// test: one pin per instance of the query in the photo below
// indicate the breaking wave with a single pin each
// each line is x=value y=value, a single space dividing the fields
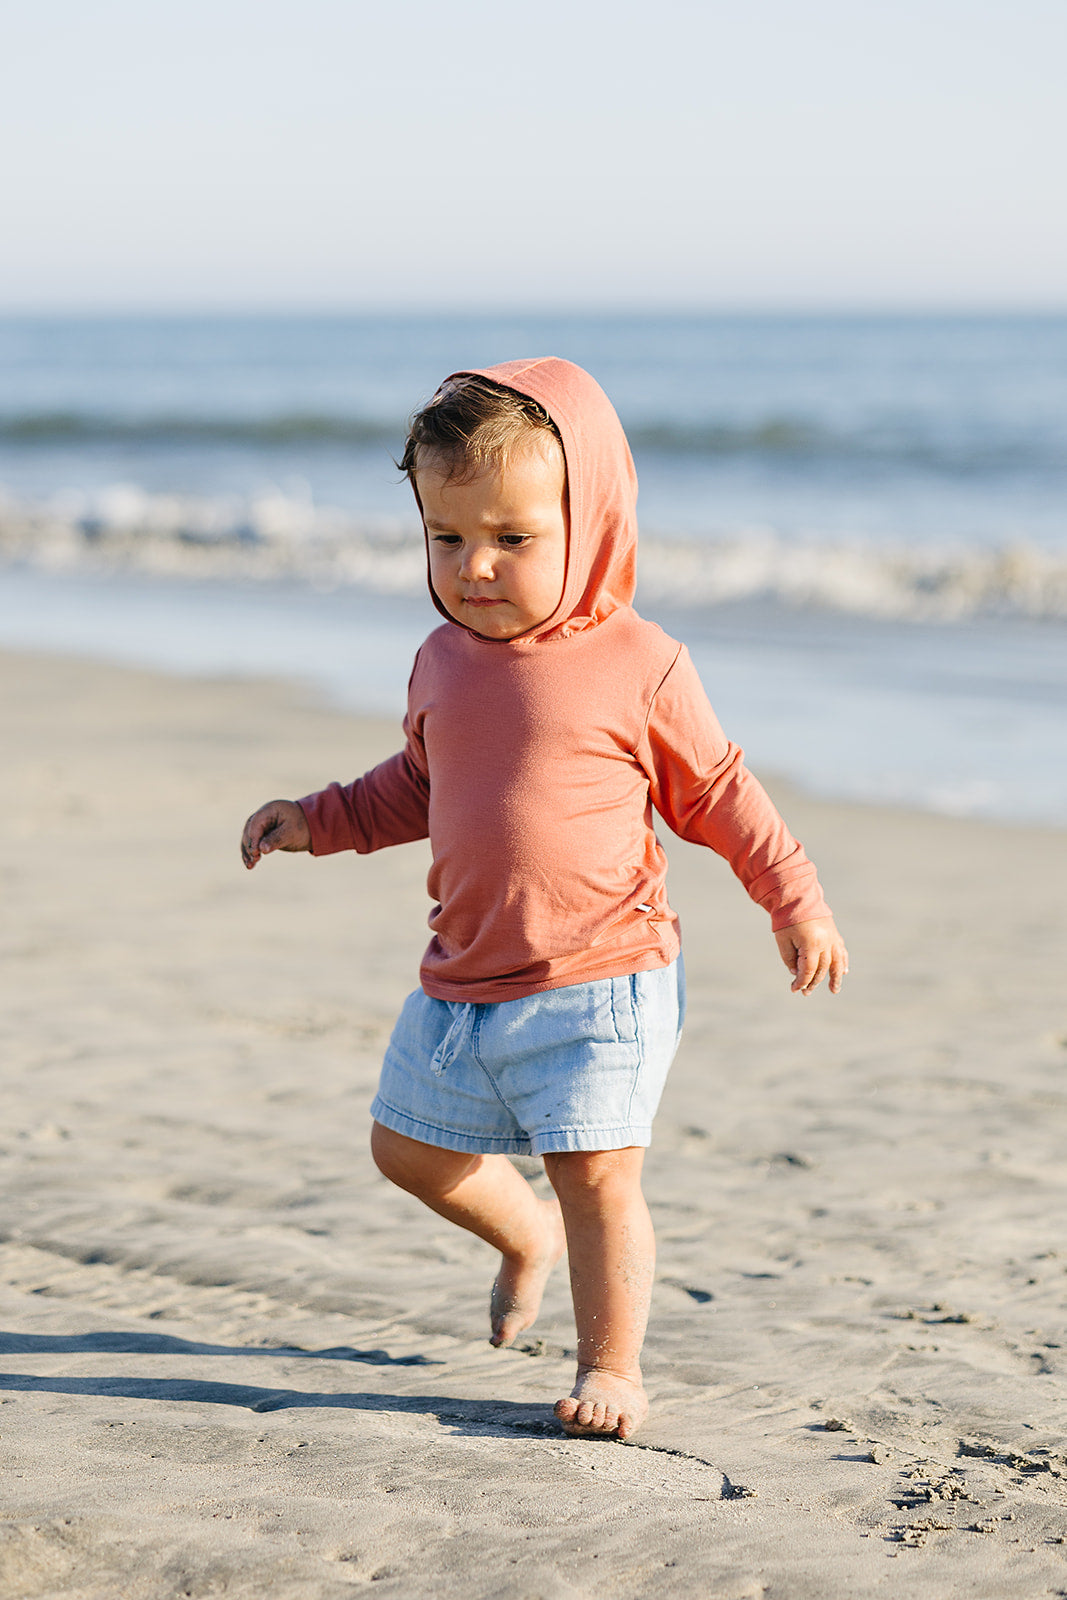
x=91 y=427
x=912 y=442
x=274 y=536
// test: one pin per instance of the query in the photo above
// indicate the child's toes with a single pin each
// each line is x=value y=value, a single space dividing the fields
x=506 y=1328
x=603 y=1405
x=586 y=1416
x=605 y=1419
x=574 y=1415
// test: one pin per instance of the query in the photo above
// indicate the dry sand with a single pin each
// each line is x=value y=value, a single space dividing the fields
x=235 y=1362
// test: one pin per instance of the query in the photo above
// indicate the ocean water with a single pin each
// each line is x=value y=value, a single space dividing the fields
x=858 y=523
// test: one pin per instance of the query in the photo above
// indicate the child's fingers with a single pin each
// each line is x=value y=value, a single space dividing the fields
x=813 y=951
x=250 y=838
x=812 y=967
x=280 y=837
x=256 y=837
x=279 y=825
x=838 y=968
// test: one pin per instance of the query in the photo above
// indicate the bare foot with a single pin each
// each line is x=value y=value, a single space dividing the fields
x=603 y=1404
x=520 y=1283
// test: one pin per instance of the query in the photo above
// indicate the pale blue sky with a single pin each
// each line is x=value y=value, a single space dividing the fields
x=329 y=153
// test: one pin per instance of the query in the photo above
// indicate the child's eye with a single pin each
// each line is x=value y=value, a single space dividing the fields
x=513 y=541
x=449 y=540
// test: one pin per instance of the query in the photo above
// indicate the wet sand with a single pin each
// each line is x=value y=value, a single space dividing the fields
x=235 y=1361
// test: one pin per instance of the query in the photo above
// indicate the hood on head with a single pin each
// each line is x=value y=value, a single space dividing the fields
x=601 y=492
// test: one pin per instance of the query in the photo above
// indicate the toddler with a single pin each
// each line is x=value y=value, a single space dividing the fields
x=546 y=721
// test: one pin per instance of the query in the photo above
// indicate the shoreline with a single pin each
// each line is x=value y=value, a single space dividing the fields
x=318 y=699
x=236 y=1356
x=958 y=721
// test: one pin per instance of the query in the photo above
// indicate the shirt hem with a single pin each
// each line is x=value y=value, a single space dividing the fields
x=491 y=991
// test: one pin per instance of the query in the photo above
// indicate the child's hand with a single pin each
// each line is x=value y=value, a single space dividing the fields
x=279 y=825
x=811 y=950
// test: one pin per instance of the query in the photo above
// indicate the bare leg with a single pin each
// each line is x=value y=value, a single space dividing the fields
x=488 y=1197
x=612 y=1258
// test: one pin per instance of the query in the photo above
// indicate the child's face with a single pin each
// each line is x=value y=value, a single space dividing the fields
x=498 y=544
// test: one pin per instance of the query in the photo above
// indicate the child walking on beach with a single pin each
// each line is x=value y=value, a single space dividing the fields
x=546 y=721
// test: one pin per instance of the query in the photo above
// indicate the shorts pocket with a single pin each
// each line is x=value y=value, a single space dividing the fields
x=601 y=1011
x=624 y=1008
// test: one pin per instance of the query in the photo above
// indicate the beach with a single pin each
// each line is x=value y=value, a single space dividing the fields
x=236 y=1361
x=855 y=522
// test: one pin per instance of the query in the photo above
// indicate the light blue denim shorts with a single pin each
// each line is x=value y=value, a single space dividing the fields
x=577 y=1068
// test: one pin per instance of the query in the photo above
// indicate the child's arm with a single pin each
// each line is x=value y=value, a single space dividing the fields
x=700 y=786
x=279 y=825
x=388 y=805
x=812 y=951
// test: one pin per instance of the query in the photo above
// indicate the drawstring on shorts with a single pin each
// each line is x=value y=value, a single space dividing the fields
x=456 y=1038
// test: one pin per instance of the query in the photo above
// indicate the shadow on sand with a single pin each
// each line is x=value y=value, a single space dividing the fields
x=473 y=1417
x=151 y=1344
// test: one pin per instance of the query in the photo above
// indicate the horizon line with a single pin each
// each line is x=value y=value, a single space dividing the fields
x=576 y=308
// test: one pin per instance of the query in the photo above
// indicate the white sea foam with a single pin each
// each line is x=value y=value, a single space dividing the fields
x=273 y=535
x=859 y=577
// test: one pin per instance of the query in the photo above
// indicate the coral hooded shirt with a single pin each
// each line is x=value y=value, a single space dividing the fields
x=534 y=765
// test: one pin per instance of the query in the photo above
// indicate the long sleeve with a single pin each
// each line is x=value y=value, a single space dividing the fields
x=699 y=784
x=388 y=805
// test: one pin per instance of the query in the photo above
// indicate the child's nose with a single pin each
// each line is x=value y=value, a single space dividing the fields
x=478 y=563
